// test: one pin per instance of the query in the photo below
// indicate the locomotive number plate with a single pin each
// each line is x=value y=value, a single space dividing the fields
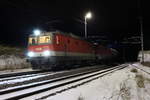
x=38 y=49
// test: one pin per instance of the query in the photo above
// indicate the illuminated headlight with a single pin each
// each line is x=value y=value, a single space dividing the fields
x=30 y=54
x=37 y=32
x=46 y=53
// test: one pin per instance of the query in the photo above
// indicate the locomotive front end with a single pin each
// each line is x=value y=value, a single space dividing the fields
x=40 y=49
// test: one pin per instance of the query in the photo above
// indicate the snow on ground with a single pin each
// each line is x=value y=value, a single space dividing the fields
x=120 y=85
x=12 y=62
x=145 y=68
x=146 y=56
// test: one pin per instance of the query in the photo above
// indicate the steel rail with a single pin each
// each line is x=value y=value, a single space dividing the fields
x=74 y=86
x=51 y=81
x=47 y=77
x=20 y=74
x=23 y=76
x=5 y=91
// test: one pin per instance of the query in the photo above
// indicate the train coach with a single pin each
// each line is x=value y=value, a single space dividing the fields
x=54 y=50
x=105 y=55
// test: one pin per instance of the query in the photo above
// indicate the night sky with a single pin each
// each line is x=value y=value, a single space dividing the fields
x=114 y=20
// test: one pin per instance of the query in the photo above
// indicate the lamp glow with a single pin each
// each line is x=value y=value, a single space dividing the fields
x=30 y=54
x=37 y=32
x=88 y=15
x=46 y=53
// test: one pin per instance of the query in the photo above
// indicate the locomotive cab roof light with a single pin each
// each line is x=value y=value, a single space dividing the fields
x=37 y=32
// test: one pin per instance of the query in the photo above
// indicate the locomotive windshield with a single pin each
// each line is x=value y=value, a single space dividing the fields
x=34 y=40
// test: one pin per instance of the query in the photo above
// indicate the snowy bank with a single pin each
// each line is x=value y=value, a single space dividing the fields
x=12 y=62
x=126 y=84
x=146 y=56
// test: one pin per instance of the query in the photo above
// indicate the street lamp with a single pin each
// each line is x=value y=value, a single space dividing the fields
x=142 y=41
x=87 y=16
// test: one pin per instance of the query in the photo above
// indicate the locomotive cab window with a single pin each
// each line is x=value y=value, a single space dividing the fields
x=40 y=40
x=32 y=41
x=44 y=39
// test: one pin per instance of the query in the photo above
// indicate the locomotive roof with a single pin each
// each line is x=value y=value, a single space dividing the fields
x=71 y=35
x=67 y=34
x=60 y=32
x=64 y=33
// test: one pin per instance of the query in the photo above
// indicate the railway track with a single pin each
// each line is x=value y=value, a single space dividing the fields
x=19 y=74
x=32 y=78
x=47 y=88
x=23 y=76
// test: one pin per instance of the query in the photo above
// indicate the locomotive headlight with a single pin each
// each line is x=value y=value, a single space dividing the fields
x=30 y=54
x=37 y=32
x=46 y=53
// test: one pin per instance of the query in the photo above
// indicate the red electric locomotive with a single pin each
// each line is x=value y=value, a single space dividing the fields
x=49 y=50
x=52 y=50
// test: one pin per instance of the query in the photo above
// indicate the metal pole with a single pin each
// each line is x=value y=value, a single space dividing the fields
x=141 y=28
x=85 y=28
x=124 y=58
x=142 y=44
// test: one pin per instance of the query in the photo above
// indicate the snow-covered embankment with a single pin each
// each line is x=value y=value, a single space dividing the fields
x=11 y=62
x=129 y=83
